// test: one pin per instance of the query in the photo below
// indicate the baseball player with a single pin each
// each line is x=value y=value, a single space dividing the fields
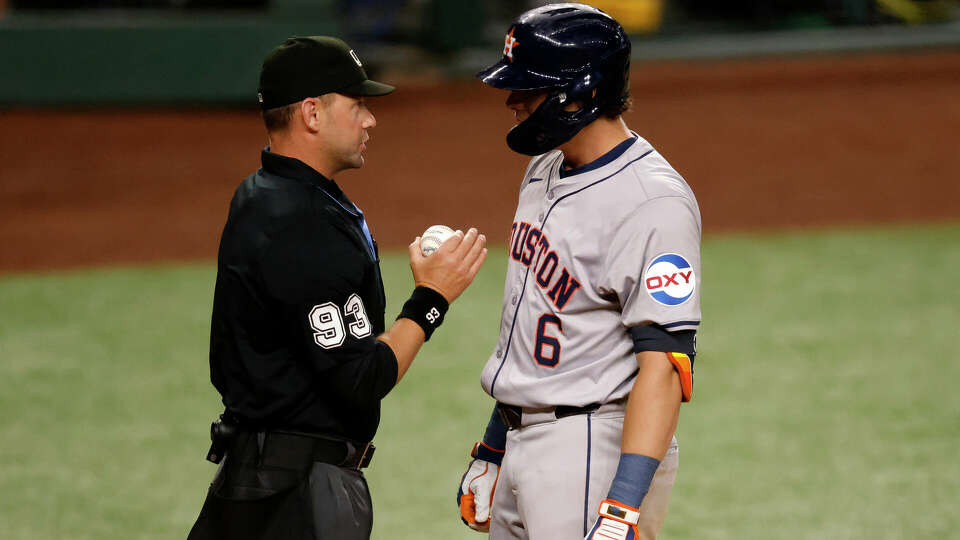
x=601 y=300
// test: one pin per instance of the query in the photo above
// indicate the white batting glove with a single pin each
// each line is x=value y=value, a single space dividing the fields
x=617 y=522
x=475 y=496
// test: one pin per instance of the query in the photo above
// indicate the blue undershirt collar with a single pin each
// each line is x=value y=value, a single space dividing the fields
x=613 y=154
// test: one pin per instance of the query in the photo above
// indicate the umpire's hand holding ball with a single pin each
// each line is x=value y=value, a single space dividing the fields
x=452 y=267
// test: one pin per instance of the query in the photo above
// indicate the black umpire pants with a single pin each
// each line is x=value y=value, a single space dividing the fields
x=283 y=494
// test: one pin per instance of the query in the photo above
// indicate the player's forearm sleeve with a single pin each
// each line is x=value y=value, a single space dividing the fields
x=491 y=448
x=496 y=434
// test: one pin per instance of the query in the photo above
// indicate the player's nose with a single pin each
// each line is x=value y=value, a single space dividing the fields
x=370 y=121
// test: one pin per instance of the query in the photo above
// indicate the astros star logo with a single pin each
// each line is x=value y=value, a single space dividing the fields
x=509 y=42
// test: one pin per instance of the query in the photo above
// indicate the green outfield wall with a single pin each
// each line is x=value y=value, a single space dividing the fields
x=132 y=56
x=127 y=59
x=135 y=57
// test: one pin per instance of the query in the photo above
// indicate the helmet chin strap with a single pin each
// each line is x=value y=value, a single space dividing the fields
x=551 y=125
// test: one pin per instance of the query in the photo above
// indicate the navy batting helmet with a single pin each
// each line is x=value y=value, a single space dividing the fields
x=577 y=53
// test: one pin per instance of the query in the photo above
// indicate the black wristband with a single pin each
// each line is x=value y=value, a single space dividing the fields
x=425 y=307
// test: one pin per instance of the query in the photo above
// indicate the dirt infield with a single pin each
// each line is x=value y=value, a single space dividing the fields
x=774 y=143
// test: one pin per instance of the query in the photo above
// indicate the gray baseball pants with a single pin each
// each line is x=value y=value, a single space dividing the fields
x=556 y=472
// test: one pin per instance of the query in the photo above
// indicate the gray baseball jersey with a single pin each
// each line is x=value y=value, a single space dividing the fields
x=611 y=246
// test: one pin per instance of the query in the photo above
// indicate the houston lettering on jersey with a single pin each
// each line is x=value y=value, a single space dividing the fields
x=531 y=248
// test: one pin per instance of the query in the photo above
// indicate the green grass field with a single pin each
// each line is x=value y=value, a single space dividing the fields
x=824 y=404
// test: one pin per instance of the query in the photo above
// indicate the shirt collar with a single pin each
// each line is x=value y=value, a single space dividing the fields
x=289 y=167
x=613 y=154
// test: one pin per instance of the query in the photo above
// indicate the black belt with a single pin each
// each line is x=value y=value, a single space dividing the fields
x=323 y=448
x=512 y=415
x=283 y=448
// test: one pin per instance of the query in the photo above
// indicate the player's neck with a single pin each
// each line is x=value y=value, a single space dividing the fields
x=593 y=141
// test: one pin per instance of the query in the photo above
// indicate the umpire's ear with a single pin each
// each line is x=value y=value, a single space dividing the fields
x=312 y=112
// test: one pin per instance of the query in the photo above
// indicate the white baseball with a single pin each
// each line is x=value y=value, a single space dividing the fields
x=431 y=238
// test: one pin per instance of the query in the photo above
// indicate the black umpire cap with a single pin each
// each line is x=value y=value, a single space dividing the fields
x=305 y=67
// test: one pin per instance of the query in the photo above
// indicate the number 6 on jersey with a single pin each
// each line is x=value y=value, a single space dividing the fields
x=543 y=340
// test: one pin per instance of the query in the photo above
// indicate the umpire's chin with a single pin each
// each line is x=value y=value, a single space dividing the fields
x=355 y=160
x=352 y=159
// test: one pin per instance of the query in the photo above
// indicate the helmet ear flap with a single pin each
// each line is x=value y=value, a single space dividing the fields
x=551 y=125
x=585 y=88
x=543 y=130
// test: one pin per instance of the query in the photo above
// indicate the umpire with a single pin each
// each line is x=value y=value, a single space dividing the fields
x=298 y=346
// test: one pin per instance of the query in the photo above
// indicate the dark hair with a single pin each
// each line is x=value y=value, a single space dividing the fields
x=618 y=108
x=278 y=118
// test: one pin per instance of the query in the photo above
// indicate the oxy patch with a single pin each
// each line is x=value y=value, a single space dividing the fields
x=670 y=279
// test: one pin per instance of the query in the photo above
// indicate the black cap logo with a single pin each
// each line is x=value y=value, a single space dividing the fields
x=355 y=58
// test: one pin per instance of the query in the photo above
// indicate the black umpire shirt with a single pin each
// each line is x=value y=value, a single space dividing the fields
x=297 y=307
